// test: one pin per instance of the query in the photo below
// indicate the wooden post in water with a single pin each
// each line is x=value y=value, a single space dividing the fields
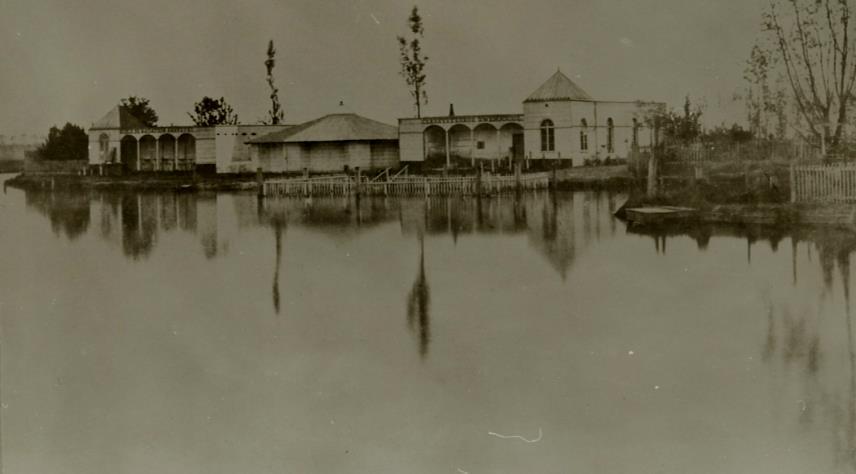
x=746 y=176
x=652 y=175
x=517 y=176
x=554 y=178
x=793 y=184
x=260 y=183
x=386 y=185
x=306 y=181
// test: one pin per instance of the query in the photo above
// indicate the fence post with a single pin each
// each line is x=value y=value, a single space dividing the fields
x=359 y=179
x=479 y=179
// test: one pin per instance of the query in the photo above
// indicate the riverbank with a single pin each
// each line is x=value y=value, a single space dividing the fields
x=601 y=177
x=137 y=182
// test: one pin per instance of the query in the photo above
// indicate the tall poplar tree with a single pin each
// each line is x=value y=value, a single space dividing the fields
x=275 y=114
x=413 y=61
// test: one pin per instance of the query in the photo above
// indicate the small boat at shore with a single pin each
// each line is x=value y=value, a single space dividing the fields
x=659 y=214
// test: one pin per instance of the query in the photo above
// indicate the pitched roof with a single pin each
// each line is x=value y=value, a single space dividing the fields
x=333 y=128
x=558 y=87
x=119 y=117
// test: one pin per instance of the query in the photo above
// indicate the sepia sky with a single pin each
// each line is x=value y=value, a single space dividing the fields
x=72 y=61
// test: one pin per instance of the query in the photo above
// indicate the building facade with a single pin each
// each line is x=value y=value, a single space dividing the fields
x=119 y=138
x=560 y=121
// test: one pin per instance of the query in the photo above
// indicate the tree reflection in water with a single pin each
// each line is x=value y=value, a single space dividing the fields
x=278 y=226
x=418 y=304
x=68 y=211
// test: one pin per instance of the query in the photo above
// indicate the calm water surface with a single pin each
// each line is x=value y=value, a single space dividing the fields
x=184 y=333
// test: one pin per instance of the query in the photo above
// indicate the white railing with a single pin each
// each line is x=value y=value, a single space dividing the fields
x=405 y=185
x=823 y=183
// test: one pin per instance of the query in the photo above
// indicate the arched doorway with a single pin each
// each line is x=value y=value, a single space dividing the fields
x=148 y=151
x=186 y=151
x=166 y=147
x=435 y=145
x=486 y=141
x=128 y=151
x=460 y=145
x=511 y=141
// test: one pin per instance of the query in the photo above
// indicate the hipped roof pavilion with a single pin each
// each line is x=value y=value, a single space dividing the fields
x=558 y=87
x=333 y=128
x=118 y=118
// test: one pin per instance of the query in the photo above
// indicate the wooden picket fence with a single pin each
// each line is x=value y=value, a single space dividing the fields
x=341 y=185
x=823 y=183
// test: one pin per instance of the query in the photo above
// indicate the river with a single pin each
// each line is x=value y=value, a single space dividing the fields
x=212 y=333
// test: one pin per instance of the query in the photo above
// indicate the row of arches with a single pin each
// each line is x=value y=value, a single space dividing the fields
x=484 y=141
x=164 y=153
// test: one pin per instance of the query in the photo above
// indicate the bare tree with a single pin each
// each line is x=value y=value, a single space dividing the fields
x=812 y=42
x=765 y=99
x=275 y=114
x=413 y=61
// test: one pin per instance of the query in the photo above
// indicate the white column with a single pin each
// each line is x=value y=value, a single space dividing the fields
x=498 y=144
x=138 y=155
x=157 y=153
x=175 y=152
x=448 y=155
x=473 y=147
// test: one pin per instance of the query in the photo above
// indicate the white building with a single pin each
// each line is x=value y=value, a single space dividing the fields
x=560 y=121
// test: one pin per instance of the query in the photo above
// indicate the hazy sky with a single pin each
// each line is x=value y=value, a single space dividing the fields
x=72 y=61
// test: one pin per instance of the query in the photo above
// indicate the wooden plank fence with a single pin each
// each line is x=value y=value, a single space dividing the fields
x=823 y=183
x=405 y=185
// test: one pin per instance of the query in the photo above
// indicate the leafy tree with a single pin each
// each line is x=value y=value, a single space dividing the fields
x=139 y=107
x=68 y=143
x=209 y=112
x=723 y=134
x=678 y=128
x=811 y=42
x=275 y=114
x=413 y=61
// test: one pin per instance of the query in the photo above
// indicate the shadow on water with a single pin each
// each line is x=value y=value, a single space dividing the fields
x=809 y=343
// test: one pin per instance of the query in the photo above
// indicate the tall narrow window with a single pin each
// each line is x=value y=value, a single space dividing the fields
x=583 y=135
x=635 y=132
x=610 y=135
x=548 y=142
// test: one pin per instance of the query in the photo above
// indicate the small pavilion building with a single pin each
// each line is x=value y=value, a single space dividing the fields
x=334 y=142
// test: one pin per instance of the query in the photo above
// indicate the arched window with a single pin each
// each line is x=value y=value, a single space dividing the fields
x=548 y=141
x=635 y=132
x=584 y=135
x=610 y=135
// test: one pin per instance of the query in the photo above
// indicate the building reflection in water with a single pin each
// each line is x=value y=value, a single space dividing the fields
x=796 y=340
